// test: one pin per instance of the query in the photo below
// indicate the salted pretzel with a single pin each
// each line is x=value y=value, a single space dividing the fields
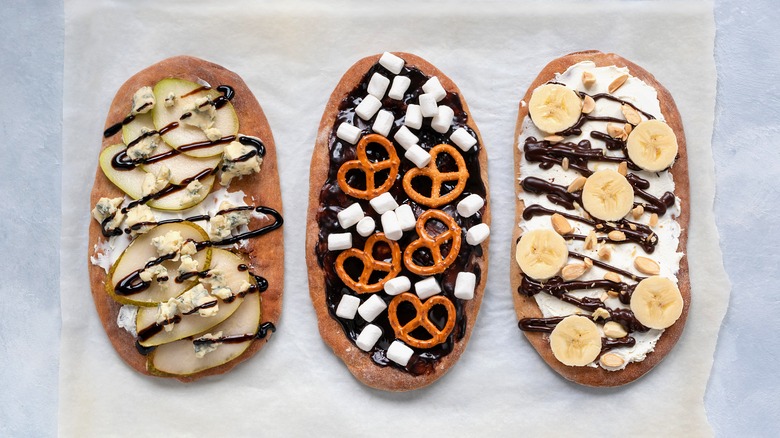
x=370 y=168
x=421 y=319
x=434 y=243
x=438 y=178
x=370 y=264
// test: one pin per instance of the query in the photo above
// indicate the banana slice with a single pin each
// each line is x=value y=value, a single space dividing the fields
x=657 y=302
x=607 y=195
x=652 y=145
x=554 y=107
x=541 y=253
x=576 y=341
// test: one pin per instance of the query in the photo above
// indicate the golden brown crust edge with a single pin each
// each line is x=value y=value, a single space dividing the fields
x=263 y=188
x=526 y=307
x=358 y=362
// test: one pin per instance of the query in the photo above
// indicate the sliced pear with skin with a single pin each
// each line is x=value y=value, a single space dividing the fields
x=541 y=253
x=226 y=120
x=652 y=145
x=576 y=341
x=182 y=166
x=140 y=124
x=657 y=302
x=137 y=255
x=223 y=260
x=178 y=358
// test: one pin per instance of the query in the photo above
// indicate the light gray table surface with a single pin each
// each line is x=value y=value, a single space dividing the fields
x=744 y=389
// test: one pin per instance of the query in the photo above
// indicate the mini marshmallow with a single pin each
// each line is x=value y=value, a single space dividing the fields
x=339 y=241
x=413 y=117
x=366 y=226
x=397 y=285
x=399 y=87
x=441 y=122
x=372 y=308
x=350 y=215
x=368 y=337
x=464 y=285
x=391 y=227
x=433 y=86
x=399 y=353
x=383 y=203
x=368 y=107
x=470 y=205
x=349 y=133
x=378 y=85
x=477 y=234
x=405 y=138
x=427 y=288
x=428 y=105
x=391 y=62
x=417 y=155
x=347 y=307
x=463 y=139
x=406 y=217
x=383 y=123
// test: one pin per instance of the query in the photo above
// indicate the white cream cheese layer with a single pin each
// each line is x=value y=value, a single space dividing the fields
x=645 y=98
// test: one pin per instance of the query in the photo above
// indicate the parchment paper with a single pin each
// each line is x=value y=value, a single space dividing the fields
x=292 y=55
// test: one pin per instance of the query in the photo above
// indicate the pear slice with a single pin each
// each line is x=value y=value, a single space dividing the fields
x=182 y=166
x=138 y=254
x=227 y=263
x=130 y=181
x=179 y=359
x=225 y=121
x=140 y=124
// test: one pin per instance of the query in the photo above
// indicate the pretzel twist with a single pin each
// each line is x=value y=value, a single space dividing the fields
x=438 y=178
x=370 y=168
x=434 y=244
x=370 y=264
x=421 y=319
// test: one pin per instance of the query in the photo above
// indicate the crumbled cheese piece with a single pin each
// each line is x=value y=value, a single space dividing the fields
x=221 y=226
x=153 y=272
x=219 y=286
x=193 y=191
x=168 y=243
x=202 y=116
x=232 y=168
x=204 y=348
x=245 y=286
x=218 y=228
x=138 y=214
x=154 y=182
x=188 y=264
x=145 y=146
x=105 y=207
x=188 y=248
x=166 y=312
x=170 y=100
x=143 y=100
x=196 y=298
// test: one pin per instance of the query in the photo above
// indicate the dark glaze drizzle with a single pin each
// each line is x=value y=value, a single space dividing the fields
x=332 y=200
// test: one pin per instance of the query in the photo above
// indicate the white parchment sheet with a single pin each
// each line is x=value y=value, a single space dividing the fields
x=292 y=55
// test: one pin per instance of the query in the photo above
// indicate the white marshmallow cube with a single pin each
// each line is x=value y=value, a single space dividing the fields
x=368 y=337
x=477 y=234
x=405 y=137
x=350 y=215
x=399 y=87
x=464 y=285
x=397 y=285
x=368 y=107
x=433 y=86
x=372 y=308
x=406 y=217
x=427 y=288
x=399 y=353
x=428 y=105
x=391 y=227
x=348 y=133
x=366 y=226
x=391 y=62
x=347 y=307
x=413 y=117
x=417 y=155
x=463 y=139
x=383 y=123
x=470 y=205
x=339 y=241
x=383 y=203
x=441 y=122
x=378 y=85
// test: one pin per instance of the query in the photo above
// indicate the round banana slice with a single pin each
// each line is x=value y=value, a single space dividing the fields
x=554 y=107
x=657 y=302
x=652 y=145
x=541 y=253
x=576 y=341
x=607 y=195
